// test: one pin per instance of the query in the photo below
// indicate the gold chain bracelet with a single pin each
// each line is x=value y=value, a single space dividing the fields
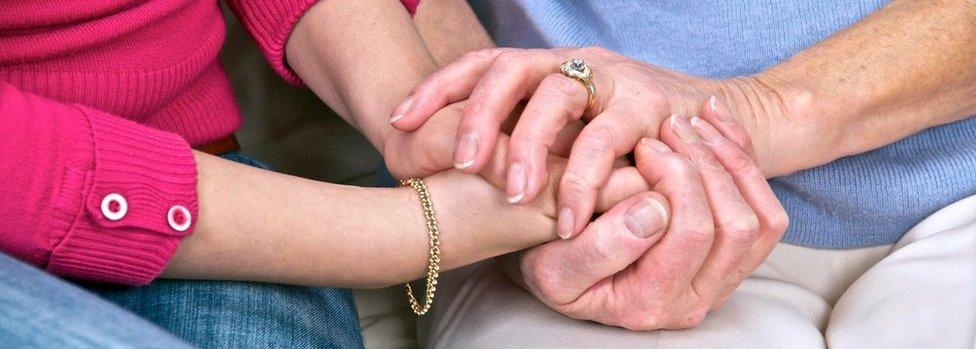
x=433 y=255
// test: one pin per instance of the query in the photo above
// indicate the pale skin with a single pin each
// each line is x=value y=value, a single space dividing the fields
x=905 y=68
x=264 y=226
x=359 y=95
x=270 y=227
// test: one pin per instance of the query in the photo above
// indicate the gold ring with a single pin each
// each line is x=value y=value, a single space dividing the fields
x=577 y=69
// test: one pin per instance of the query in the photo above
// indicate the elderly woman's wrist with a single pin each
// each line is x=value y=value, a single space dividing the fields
x=781 y=121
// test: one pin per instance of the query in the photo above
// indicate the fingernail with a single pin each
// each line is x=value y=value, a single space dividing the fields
x=516 y=183
x=683 y=130
x=723 y=114
x=402 y=109
x=467 y=148
x=711 y=105
x=708 y=134
x=566 y=223
x=646 y=218
x=655 y=144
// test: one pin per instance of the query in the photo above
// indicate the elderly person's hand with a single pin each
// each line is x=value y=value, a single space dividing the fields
x=717 y=236
x=424 y=151
x=631 y=101
x=418 y=154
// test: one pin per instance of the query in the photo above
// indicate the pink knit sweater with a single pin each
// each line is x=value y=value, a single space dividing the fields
x=100 y=102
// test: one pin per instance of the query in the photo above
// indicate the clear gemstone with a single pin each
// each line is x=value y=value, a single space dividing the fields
x=577 y=64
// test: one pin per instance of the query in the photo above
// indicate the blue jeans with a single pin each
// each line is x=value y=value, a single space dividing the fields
x=39 y=310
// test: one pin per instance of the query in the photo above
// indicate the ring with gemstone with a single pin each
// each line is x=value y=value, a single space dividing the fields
x=577 y=69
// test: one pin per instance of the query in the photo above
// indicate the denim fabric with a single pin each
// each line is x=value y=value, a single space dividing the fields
x=246 y=160
x=231 y=314
x=38 y=310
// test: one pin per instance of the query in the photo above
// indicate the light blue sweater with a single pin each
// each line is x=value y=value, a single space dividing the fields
x=864 y=200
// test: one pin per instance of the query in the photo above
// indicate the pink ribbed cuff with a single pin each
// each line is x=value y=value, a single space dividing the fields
x=270 y=23
x=153 y=171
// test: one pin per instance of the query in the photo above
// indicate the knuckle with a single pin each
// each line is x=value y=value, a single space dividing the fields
x=478 y=55
x=646 y=319
x=743 y=140
x=511 y=59
x=742 y=229
x=740 y=162
x=779 y=221
x=644 y=323
x=575 y=185
x=526 y=148
x=471 y=56
x=434 y=87
x=655 y=100
x=562 y=85
x=683 y=168
x=596 y=139
x=694 y=318
x=690 y=316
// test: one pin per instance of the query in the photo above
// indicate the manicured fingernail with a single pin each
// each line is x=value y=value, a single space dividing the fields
x=402 y=109
x=707 y=133
x=466 y=150
x=655 y=144
x=683 y=130
x=566 y=223
x=516 y=183
x=646 y=218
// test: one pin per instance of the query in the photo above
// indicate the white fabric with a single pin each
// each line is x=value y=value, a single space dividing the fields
x=386 y=318
x=919 y=293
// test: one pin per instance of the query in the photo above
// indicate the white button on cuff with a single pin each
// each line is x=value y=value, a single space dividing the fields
x=179 y=218
x=121 y=207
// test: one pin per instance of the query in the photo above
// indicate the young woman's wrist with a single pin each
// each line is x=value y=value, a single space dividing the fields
x=467 y=205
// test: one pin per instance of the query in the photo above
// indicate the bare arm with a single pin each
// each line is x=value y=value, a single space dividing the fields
x=363 y=57
x=450 y=29
x=907 y=67
x=265 y=226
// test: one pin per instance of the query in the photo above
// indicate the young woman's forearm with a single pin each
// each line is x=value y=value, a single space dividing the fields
x=263 y=226
x=362 y=58
x=905 y=68
x=450 y=28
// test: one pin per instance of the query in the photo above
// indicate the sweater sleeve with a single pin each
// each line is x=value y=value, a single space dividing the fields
x=89 y=195
x=270 y=22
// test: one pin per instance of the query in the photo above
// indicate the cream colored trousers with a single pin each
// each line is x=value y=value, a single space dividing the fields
x=918 y=293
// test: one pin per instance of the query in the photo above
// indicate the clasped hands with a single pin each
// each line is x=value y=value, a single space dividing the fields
x=681 y=225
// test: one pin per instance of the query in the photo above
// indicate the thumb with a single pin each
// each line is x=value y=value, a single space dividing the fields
x=560 y=271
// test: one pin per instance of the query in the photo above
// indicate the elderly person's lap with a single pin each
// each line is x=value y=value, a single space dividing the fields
x=919 y=290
